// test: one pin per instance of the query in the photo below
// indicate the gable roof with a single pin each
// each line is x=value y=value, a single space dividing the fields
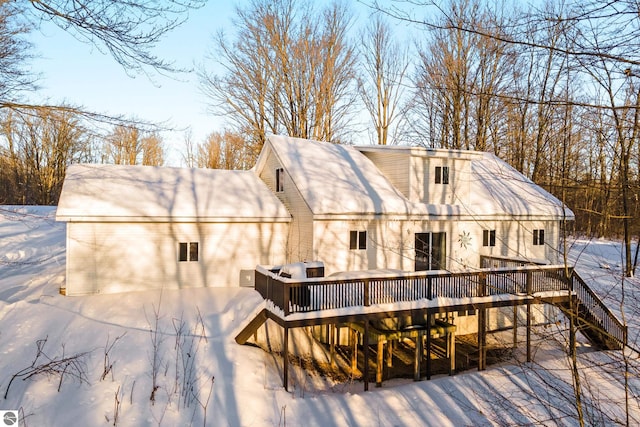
x=498 y=188
x=146 y=193
x=340 y=180
x=337 y=179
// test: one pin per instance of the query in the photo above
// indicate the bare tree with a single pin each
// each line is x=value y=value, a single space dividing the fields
x=385 y=65
x=15 y=77
x=128 y=30
x=35 y=152
x=222 y=151
x=289 y=70
x=127 y=145
x=152 y=150
x=461 y=77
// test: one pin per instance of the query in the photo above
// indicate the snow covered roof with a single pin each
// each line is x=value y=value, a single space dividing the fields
x=338 y=180
x=146 y=193
x=498 y=188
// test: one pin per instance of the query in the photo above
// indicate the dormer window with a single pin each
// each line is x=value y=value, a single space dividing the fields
x=279 y=180
x=442 y=175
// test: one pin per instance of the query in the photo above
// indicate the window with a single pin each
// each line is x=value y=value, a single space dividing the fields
x=442 y=174
x=188 y=251
x=279 y=180
x=431 y=251
x=357 y=240
x=488 y=237
x=538 y=237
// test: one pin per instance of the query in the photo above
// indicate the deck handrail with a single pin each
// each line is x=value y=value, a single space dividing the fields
x=601 y=314
x=295 y=296
x=326 y=293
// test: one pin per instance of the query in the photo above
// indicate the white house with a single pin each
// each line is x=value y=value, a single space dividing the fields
x=354 y=208
x=407 y=208
x=141 y=227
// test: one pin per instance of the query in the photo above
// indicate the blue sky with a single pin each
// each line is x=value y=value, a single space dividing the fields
x=79 y=74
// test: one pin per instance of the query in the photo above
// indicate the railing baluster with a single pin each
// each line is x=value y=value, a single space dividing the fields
x=325 y=293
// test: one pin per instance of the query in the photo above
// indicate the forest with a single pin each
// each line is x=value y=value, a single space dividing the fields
x=551 y=87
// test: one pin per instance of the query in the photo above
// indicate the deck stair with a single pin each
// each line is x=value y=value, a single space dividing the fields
x=594 y=319
x=365 y=300
x=252 y=326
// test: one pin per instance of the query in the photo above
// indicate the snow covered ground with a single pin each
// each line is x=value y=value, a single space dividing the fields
x=102 y=357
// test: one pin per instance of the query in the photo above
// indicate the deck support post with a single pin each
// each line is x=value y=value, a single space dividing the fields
x=451 y=350
x=515 y=326
x=528 y=331
x=573 y=311
x=285 y=359
x=365 y=343
x=429 y=323
x=418 y=358
x=390 y=354
x=529 y=285
x=353 y=340
x=379 y=363
x=482 y=339
x=332 y=344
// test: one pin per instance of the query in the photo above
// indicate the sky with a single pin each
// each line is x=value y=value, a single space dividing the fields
x=79 y=74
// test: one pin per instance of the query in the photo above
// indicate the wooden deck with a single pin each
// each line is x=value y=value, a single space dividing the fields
x=362 y=301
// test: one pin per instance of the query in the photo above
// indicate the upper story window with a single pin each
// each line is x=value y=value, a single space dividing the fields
x=442 y=175
x=188 y=251
x=488 y=237
x=279 y=180
x=357 y=239
x=538 y=237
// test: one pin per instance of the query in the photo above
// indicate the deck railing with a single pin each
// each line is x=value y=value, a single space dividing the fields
x=299 y=296
x=601 y=316
x=316 y=294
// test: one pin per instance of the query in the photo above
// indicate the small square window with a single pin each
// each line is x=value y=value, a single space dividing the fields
x=188 y=251
x=538 y=237
x=488 y=237
x=357 y=240
x=193 y=251
x=279 y=180
x=353 y=240
x=184 y=254
x=442 y=175
x=362 y=240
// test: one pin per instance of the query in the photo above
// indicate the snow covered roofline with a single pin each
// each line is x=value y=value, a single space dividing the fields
x=339 y=182
x=336 y=179
x=497 y=190
x=159 y=194
x=496 y=187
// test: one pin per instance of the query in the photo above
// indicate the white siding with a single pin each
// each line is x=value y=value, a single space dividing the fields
x=395 y=167
x=514 y=238
x=456 y=192
x=116 y=257
x=301 y=227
